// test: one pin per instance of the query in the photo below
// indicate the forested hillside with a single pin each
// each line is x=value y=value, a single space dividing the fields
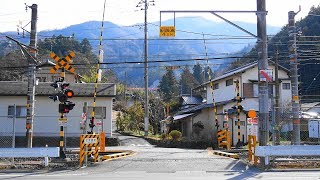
x=122 y=44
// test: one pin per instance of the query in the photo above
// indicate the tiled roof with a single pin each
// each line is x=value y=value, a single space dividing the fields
x=14 y=88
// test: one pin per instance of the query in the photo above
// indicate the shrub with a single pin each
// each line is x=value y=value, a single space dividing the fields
x=176 y=135
x=163 y=136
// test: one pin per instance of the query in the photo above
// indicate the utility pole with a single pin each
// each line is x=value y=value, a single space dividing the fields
x=31 y=76
x=294 y=77
x=146 y=96
x=262 y=65
x=276 y=131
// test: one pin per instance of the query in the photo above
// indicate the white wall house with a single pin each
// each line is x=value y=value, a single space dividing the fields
x=225 y=91
x=46 y=119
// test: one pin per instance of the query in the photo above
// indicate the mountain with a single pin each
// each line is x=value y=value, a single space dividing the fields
x=126 y=44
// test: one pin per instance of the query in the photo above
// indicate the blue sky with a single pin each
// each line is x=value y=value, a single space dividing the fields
x=58 y=14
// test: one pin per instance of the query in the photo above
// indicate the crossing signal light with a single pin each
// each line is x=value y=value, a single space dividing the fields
x=66 y=107
x=55 y=85
x=238 y=107
x=69 y=93
x=91 y=124
x=54 y=97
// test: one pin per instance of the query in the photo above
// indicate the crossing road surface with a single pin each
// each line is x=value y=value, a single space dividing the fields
x=151 y=162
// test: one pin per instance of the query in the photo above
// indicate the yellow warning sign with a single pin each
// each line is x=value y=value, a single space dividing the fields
x=167 y=31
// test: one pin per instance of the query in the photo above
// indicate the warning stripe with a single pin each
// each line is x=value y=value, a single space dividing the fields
x=69 y=56
x=54 y=56
x=226 y=154
x=94 y=152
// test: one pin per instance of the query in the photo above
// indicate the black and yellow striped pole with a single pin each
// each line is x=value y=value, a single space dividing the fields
x=239 y=108
x=98 y=71
x=212 y=88
x=62 y=120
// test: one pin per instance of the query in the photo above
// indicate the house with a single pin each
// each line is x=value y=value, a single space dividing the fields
x=224 y=93
x=46 y=118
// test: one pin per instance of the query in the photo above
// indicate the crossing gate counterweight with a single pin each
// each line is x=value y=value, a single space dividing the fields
x=89 y=145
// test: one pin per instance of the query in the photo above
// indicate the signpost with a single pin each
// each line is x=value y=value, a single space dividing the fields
x=266 y=75
x=252 y=127
x=62 y=62
x=167 y=31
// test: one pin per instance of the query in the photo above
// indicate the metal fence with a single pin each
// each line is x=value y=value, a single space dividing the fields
x=281 y=121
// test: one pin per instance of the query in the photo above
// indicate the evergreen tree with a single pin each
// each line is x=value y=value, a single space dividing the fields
x=86 y=47
x=187 y=81
x=168 y=86
x=197 y=70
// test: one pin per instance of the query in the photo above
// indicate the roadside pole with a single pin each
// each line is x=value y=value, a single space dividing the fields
x=262 y=65
x=31 y=76
x=294 y=78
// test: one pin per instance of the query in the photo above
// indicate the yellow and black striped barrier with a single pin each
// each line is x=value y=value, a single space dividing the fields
x=89 y=145
x=224 y=139
x=226 y=154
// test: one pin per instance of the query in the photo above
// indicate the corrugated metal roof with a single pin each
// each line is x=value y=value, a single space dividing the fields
x=191 y=100
x=202 y=106
x=14 y=88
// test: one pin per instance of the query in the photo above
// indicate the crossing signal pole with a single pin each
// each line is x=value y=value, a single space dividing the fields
x=63 y=95
x=64 y=106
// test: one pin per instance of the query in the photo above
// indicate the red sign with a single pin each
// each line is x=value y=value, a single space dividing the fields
x=252 y=120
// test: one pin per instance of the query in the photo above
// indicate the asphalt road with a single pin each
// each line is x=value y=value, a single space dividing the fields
x=151 y=162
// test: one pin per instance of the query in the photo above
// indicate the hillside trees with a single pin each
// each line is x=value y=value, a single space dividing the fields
x=187 y=81
x=168 y=86
x=197 y=73
x=60 y=45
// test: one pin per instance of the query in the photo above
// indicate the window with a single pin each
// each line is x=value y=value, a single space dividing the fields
x=100 y=112
x=229 y=82
x=248 y=90
x=216 y=86
x=21 y=111
x=286 y=86
x=255 y=90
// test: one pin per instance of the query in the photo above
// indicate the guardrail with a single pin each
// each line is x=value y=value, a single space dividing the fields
x=285 y=151
x=30 y=152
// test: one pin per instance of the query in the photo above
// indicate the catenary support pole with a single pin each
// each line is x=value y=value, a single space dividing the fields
x=31 y=77
x=262 y=65
x=294 y=78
